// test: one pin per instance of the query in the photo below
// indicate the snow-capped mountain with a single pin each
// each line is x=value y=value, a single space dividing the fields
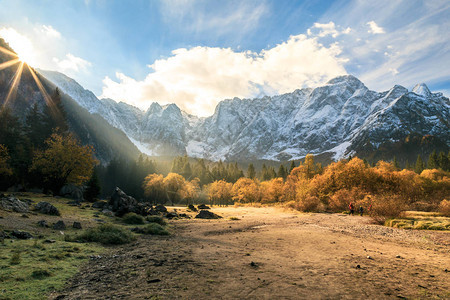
x=340 y=118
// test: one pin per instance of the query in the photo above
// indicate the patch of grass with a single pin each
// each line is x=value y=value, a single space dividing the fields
x=38 y=274
x=105 y=234
x=420 y=221
x=156 y=219
x=154 y=229
x=132 y=218
x=15 y=258
x=234 y=218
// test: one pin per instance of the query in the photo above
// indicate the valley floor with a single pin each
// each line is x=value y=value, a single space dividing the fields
x=270 y=253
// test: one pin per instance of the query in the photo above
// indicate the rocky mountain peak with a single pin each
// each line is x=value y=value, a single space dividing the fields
x=422 y=90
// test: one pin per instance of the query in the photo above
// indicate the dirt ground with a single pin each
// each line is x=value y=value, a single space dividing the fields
x=271 y=253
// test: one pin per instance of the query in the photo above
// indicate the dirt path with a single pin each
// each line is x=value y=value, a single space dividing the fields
x=272 y=254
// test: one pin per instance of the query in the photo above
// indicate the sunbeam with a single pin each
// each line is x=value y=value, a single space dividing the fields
x=47 y=98
x=9 y=63
x=15 y=84
x=4 y=50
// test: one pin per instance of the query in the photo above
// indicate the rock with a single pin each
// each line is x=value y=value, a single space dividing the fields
x=76 y=225
x=74 y=203
x=60 y=225
x=171 y=215
x=13 y=204
x=4 y=235
x=160 y=208
x=72 y=191
x=25 y=216
x=122 y=203
x=184 y=216
x=42 y=223
x=358 y=266
x=253 y=264
x=205 y=214
x=22 y=235
x=99 y=204
x=369 y=257
x=192 y=207
x=108 y=213
x=47 y=208
x=153 y=280
x=49 y=241
x=203 y=206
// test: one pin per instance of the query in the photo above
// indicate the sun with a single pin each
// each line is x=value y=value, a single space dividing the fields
x=21 y=44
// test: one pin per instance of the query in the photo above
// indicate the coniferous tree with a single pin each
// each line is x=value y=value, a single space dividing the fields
x=251 y=173
x=443 y=161
x=282 y=172
x=292 y=166
x=419 y=167
x=433 y=161
x=93 y=187
x=395 y=163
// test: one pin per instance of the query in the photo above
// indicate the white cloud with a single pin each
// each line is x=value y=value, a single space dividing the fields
x=325 y=29
x=50 y=31
x=374 y=28
x=197 y=78
x=71 y=62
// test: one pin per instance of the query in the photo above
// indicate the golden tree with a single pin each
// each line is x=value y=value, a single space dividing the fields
x=64 y=161
x=154 y=189
x=246 y=190
x=272 y=191
x=219 y=192
x=174 y=185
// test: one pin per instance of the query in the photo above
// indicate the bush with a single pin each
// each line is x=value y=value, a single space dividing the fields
x=105 y=234
x=309 y=204
x=154 y=229
x=132 y=218
x=444 y=207
x=156 y=219
x=40 y=274
x=15 y=259
x=387 y=207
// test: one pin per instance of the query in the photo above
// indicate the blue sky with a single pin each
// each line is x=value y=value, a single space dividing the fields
x=195 y=53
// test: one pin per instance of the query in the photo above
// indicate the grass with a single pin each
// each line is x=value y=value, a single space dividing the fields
x=41 y=269
x=132 y=218
x=154 y=229
x=106 y=234
x=420 y=221
x=234 y=218
x=156 y=219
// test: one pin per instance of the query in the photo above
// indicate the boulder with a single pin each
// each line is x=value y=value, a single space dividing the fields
x=42 y=223
x=192 y=207
x=72 y=191
x=160 y=208
x=76 y=225
x=22 y=235
x=206 y=214
x=47 y=208
x=60 y=225
x=99 y=204
x=122 y=203
x=108 y=213
x=14 y=204
x=171 y=215
x=203 y=206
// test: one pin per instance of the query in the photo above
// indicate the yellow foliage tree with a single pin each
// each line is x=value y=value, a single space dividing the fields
x=174 y=185
x=64 y=161
x=272 y=191
x=154 y=189
x=246 y=190
x=219 y=192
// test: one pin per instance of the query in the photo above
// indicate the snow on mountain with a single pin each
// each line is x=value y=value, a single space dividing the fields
x=336 y=118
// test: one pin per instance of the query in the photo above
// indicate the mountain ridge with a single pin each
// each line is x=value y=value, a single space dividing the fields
x=331 y=119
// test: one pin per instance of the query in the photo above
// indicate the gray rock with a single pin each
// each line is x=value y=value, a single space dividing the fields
x=22 y=235
x=13 y=204
x=77 y=225
x=60 y=225
x=122 y=203
x=108 y=213
x=42 y=223
x=203 y=206
x=205 y=214
x=192 y=207
x=99 y=204
x=72 y=191
x=47 y=208
x=160 y=208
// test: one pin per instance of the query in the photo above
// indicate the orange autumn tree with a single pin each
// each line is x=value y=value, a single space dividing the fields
x=272 y=191
x=246 y=190
x=64 y=161
x=219 y=192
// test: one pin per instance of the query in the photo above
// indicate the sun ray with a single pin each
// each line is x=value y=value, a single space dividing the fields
x=9 y=63
x=9 y=52
x=47 y=98
x=15 y=84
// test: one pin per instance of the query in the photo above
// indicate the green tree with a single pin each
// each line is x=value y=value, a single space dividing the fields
x=292 y=166
x=282 y=172
x=433 y=161
x=93 y=187
x=64 y=161
x=395 y=163
x=443 y=161
x=419 y=167
x=251 y=173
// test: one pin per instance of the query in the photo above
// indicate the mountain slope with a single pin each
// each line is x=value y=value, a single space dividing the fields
x=340 y=118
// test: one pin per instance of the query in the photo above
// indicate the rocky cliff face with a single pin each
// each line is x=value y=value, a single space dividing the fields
x=340 y=118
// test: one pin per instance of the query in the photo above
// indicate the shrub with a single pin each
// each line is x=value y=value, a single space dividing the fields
x=154 y=229
x=132 y=218
x=15 y=259
x=106 y=234
x=444 y=207
x=40 y=274
x=156 y=219
x=387 y=207
x=308 y=203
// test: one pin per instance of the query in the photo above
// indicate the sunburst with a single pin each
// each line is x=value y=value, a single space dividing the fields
x=15 y=81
